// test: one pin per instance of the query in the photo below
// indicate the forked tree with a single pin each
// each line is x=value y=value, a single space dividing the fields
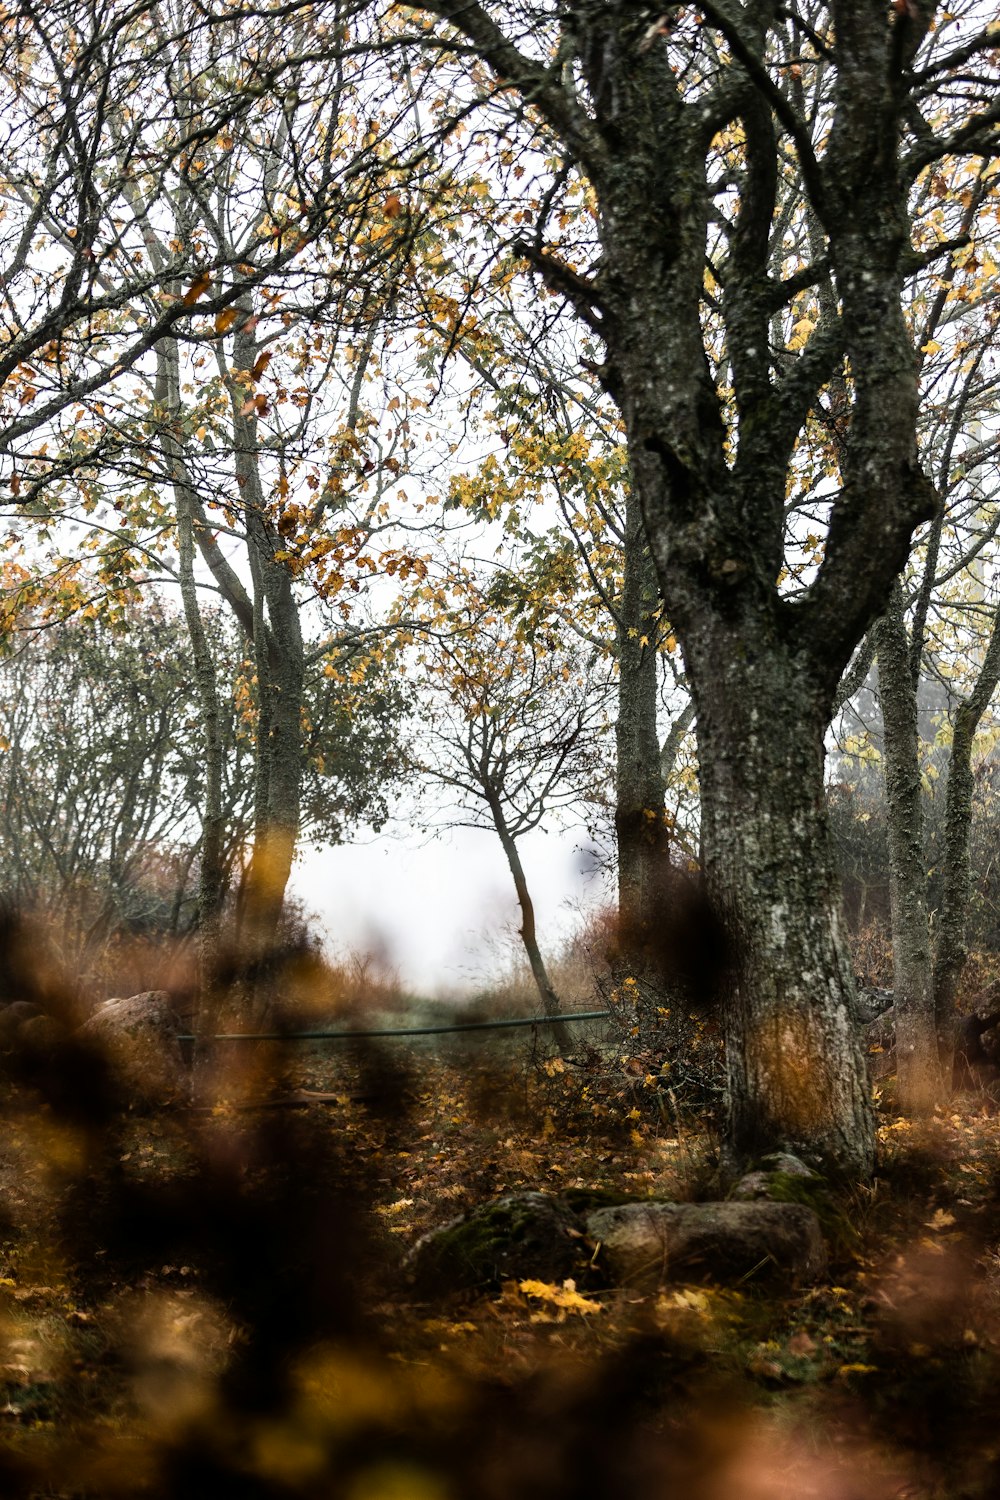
x=708 y=138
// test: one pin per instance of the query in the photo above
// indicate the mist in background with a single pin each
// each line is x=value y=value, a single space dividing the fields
x=442 y=912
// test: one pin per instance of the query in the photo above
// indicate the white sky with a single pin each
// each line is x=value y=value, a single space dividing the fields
x=438 y=910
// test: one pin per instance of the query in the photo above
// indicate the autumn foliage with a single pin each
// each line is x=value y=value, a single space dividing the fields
x=216 y=1299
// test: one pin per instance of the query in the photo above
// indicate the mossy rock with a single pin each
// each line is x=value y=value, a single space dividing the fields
x=582 y=1200
x=800 y=1185
x=522 y=1235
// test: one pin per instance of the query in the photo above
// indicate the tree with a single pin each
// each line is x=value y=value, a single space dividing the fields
x=952 y=317
x=284 y=208
x=102 y=772
x=99 y=803
x=927 y=966
x=704 y=134
x=562 y=451
x=511 y=731
x=92 y=117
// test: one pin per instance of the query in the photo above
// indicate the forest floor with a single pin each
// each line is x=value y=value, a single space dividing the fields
x=215 y=1302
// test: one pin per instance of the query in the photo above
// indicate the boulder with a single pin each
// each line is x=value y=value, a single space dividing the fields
x=975 y=1047
x=522 y=1235
x=139 y=1035
x=870 y=1002
x=781 y=1177
x=41 y=1032
x=646 y=1244
x=878 y=1042
x=13 y=1017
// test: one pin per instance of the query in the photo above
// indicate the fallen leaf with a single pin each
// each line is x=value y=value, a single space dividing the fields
x=565 y=1296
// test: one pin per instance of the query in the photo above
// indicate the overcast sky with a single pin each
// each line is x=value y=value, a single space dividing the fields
x=438 y=910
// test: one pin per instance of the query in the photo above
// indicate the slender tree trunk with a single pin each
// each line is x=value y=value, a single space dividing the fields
x=280 y=661
x=795 y=1073
x=211 y=866
x=212 y=879
x=952 y=951
x=949 y=960
x=546 y=990
x=917 y=1062
x=211 y=870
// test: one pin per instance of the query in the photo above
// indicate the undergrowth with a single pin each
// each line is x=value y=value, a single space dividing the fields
x=216 y=1302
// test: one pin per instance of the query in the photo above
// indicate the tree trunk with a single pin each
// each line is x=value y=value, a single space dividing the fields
x=211 y=865
x=951 y=952
x=547 y=994
x=643 y=844
x=211 y=868
x=917 y=1063
x=795 y=1073
x=949 y=959
x=280 y=661
x=211 y=878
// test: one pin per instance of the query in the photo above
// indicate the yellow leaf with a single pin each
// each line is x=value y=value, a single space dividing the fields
x=691 y=1300
x=800 y=333
x=566 y=1296
x=225 y=319
x=941 y=1219
x=931 y=347
x=197 y=289
x=397 y=1207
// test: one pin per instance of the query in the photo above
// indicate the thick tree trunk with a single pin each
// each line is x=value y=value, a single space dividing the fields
x=917 y=1063
x=795 y=1072
x=643 y=844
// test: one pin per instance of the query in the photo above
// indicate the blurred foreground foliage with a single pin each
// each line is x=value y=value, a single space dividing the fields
x=213 y=1301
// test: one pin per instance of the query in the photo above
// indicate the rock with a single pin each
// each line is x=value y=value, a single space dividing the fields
x=787 y=1164
x=41 y=1032
x=985 y=1004
x=975 y=1053
x=13 y=1017
x=783 y=1178
x=870 y=1002
x=139 y=1035
x=878 y=1042
x=650 y=1243
x=518 y=1236
x=775 y=1178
